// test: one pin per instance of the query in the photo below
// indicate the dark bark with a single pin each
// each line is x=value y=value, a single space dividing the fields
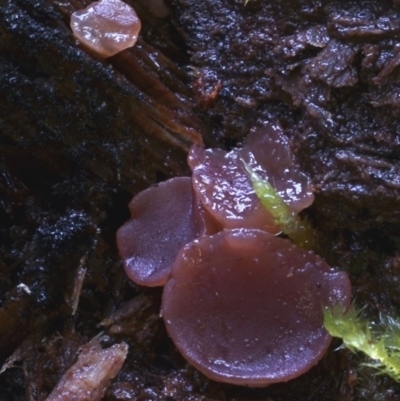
x=79 y=136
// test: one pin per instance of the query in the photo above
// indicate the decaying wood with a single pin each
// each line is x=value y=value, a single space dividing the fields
x=89 y=378
x=79 y=136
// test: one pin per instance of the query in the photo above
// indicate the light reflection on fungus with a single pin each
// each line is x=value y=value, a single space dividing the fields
x=106 y=27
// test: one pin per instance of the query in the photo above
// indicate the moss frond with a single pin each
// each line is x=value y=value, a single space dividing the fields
x=299 y=231
x=380 y=342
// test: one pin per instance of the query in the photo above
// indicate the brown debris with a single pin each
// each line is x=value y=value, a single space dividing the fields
x=334 y=65
x=364 y=25
x=89 y=378
x=77 y=289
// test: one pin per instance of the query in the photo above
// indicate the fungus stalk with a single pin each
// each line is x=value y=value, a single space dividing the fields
x=298 y=230
x=380 y=342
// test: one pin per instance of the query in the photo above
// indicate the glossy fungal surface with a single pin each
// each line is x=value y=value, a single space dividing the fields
x=267 y=151
x=163 y=219
x=106 y=26
x=225 y=189
x=245 y=307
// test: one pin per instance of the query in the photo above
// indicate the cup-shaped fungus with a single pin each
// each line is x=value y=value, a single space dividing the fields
x=245 y=307
x=225 y=189
x=106 y=27
x=267 y=151
x=163 y=219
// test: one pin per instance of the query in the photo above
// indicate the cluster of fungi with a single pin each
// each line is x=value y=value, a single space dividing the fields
x=242 y=304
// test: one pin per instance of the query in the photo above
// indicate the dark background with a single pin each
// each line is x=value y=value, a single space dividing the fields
x=80 y=136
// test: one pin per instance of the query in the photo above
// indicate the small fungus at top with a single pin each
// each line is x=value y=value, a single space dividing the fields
x=106 y=27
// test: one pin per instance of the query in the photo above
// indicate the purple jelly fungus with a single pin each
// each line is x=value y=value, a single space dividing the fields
x=163 y=219
x=245 y=307
x=106 y=27
x=267 y=151
x=225 y=190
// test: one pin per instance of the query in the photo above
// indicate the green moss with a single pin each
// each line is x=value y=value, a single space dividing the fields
x=379 y=342
x=298 y=230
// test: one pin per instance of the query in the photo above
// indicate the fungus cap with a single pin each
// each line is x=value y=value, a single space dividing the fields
x=163 y=219
x=245 y=307
x=225 y=190
x=267 y=150
x=106 y=26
